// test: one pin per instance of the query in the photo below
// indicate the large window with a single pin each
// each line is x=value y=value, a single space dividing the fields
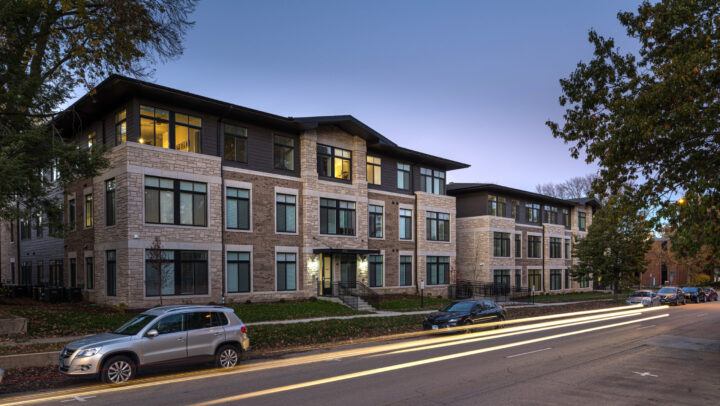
x=284 y=153
x=110 y=273
x=154 y=127
x=551 y=214
x=518 y=245
x=73 y=272
x=337 y=217
x=581 y=220
x=437 y=226
x=39 y=225
x=374 y=170
x=432 y=181
x=566 y=217
x=533 y=212
x=235 y=143
x=285 y=209
x=567 y=278
x=403 y=176
x=89 y=273
x=534 y=250
x=110 y=202
x=375 y=269
x=405 y=224
x=375 y=221
x=187 y=133
x=406 y=275
x=334 y=162
x=437 y=270
x=178 y=272
x=25 y=229
x=238 y=272
x=502 y=277
x=555 y=247
x=286 y=265
x=584 y=282
x=120 y=127
x=169 y=201
x=71 y=216
x=496 y=205
x=501 y=244
x=88 y=211
x=535 y=279
x=518 y=279
x=555 y=279
x=515 y=207
x=238 y=209
x=567 y=248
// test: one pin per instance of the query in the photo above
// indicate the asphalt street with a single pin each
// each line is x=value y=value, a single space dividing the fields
x=664 y=356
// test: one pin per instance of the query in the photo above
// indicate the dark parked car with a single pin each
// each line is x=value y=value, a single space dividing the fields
x=464 y=313
x=694 y=294
x=672 y=295
x=711 y=294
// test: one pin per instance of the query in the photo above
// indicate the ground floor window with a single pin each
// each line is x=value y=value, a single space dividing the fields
x=56 y=272
x=535 y=279
x=567 y=279
x=501 y=277
x=286 y=268
x=375 y=269
x=406 y=270
x=238 y=272
x=110 y=273
x=555 y=279
x=178 y=272
x=89 y=273
x=73 y=272
x=518 y=279
x=584 y=282
x=437 y=270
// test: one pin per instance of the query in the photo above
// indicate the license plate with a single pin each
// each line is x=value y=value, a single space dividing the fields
x=434 y=327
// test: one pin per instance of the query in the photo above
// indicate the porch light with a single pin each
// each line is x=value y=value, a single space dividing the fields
x=313 y=265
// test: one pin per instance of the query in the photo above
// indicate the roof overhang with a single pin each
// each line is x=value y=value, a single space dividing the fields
x=417 y=157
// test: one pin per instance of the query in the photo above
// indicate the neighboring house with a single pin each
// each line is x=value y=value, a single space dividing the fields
x=518 y=238
x=8 y=252
x=247 y=205
x=663 y=268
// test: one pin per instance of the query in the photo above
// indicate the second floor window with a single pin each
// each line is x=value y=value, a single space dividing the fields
x=334 y=162
x=284 y=153
x=501 y=244
x=518 y=245
x=403 y=176
x=337 y=217
x=555 y=247
x=566 y=217
x=567 y=248
x=121 y=127
x=581 y=221
x=238 y=209
x=285 y=213
x=176 y=202
x=374 y=170
x=534 y=246
x=235 y=143
x=88 y=211
x=438 y=226
x=405 y=224
x=432 y=181
x=375 y=221
x=110 y=202
x=515 y=205
x=496 y=206
x=154 y=127
x=533 y=212
x=25 y=229
x=551 y=214
x=71 y=214
x=187 y=133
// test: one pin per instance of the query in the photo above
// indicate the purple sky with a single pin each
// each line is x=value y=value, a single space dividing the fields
x=472 y=81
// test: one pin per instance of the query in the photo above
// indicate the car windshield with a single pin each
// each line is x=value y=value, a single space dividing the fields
x=458 y=307
x=667 y=290
x=134 y=325
x=643 y=294
x=690 y=289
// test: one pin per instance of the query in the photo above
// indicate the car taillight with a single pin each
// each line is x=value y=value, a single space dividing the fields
x=243 y=329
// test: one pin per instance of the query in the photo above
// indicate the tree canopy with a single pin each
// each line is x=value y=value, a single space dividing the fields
x=653 y=118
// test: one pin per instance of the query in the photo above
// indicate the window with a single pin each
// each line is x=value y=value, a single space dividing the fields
x=555 y=279
x=567 y=248
x=581 y=220
x=25 y=229
x=518 y=245
x=121 y=127
x=373 y=170
x=110 y=273
x=284 y=153
x=238 y=272
x=238 y=209
x=285 y=213
x=405 y=224
x=496 y=206
x=567 y=278
x=12 y=232
x=518 y=279
x=432 y=181
x=437 y=269
x=555 y=247
x=91 y=139
x=286 y=271
x=584 y=282
x=173 y=323
x=533 y=212
x=376 y=221
x=535 y=279
x=337 y=217
x=12 y=272
x=334 y=162
x=551 y=214
x=437 y=226
x=501 y=244
x=88 y=211
x=403 y=176
x=406 y=275
x=110 y=202
x=375 y=269
x=178 y=272
x=178 y=202
x=71 y=214
x=187 y=133
x=39 y=226
x=154 y=127
x=566 y=217
x=202 y=320
x=502 y=277
x=515 y=205
x=534 y=246
x=73 y=272
x=89 y=273
x=235 y=143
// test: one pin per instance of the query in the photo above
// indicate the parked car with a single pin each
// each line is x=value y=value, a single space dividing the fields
x=694 y=294
x=711 y=294
x=672 y=295
x=157 y=336
x=646 y=297
x=464 y=313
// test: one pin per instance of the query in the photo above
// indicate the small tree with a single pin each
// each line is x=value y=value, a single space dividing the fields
x=615 y=246
x=159 y=262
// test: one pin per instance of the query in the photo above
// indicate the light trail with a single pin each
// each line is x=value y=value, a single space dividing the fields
x=412 y=364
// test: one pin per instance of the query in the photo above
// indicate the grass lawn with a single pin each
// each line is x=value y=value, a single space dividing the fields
x=253 y=312
x=412 y=304
x=572 y=297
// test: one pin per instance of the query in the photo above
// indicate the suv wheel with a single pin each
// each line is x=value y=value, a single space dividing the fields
x=227 y=356
x=118 y=369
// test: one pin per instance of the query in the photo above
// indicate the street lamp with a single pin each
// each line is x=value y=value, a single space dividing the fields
x=681 y=201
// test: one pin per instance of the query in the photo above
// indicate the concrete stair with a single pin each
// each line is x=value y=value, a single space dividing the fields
x=363 y=306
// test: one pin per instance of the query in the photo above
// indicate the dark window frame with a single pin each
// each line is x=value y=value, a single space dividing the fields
x=110 y=218
x=555 y=247
x=535 y=275
x=437 y=261
x=375 y=262
x=282 y=261
x=497 y=205
x=328 y=153
x=155 y=120
x=238 y=260
x=237 y=139
x=534 y=246
x=282 y=204
x=375 y=168
x=376 y=221
x=501 y=244
x=403 y=228
x=121 y=127
x=404 y=172
x=177 y=192
x=89 y=273
x=582 y=221
x=556 y=279
x=518 y=245
x=335 y=206
x=72 y=215
x=437 y=226
x=432 y=181
x=238 y=200
x=283 y=149
x=178 y=123
x=403 y=278
x=89 y=220
x=181 y=260
x=550 y=214
x=567 y=248
x=110 y=273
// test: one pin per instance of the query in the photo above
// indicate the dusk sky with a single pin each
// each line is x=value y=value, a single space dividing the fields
x=472 y=81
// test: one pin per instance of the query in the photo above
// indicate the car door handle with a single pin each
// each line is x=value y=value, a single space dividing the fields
x=181 y=339
x=217 y=334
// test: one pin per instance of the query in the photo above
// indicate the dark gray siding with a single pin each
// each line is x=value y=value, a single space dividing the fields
x=388 y=174
x=260 y=150
x=471 y=204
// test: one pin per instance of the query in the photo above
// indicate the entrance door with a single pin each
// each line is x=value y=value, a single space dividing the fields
x=348 y=270
x=327 y=275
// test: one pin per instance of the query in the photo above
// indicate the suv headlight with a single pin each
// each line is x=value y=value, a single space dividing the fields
x=88 y=352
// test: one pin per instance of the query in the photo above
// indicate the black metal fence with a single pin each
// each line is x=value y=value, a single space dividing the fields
x=498 y=292
x=350 y=292
x=50 y=294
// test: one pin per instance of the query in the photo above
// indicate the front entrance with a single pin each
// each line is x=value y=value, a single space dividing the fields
x=348 y=270
x=327 y=275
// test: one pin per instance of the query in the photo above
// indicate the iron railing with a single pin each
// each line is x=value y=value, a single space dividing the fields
x=499 y=292
x=350 y=292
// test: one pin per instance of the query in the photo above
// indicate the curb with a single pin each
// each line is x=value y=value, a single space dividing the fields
x=38 y=359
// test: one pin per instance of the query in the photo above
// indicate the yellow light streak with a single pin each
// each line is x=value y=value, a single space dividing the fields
x=413 y=364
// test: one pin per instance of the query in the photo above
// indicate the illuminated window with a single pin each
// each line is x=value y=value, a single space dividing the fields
x=154 y=127
x=373 y=170
x=91 y=139
x=334 y=162
x=121 y=127
x=187 y=133
x=88 y=211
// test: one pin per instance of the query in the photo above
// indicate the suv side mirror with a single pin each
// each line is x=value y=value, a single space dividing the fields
x=152 y=333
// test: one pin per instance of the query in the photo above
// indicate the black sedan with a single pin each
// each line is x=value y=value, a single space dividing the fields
x=694 y=294
x=671 y=295
x=464 y=313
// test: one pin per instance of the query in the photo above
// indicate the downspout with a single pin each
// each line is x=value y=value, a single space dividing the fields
x=222 y=213
x=542 y=242
x=17 y=245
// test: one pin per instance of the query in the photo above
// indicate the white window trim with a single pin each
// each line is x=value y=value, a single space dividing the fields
x=241 y=185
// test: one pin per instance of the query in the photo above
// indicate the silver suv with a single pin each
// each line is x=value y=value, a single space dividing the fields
x=157 y=336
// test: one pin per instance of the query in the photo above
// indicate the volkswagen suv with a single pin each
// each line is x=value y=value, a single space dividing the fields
x=159 y=336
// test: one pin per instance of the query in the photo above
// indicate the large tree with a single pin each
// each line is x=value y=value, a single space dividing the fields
x=653 y=118
x=613 y=251
x=48 y=48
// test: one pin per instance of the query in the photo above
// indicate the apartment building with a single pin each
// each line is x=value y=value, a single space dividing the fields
x=518 y=238
x=247 y=205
